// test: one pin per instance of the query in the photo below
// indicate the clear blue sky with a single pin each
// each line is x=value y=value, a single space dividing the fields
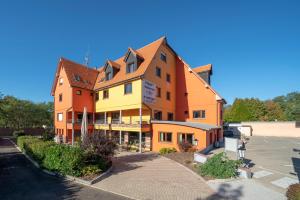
x=254 y=46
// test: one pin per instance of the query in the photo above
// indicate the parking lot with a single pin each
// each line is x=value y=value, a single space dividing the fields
x=276 y=160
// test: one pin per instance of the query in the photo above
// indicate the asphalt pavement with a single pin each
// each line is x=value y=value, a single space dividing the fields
x=19 y=179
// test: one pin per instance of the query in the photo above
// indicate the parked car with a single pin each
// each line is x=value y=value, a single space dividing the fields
x=228 y=133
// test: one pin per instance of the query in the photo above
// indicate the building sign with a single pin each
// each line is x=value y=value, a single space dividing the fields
x=149 y=92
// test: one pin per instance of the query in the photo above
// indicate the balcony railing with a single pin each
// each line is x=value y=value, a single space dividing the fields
x=78 y=121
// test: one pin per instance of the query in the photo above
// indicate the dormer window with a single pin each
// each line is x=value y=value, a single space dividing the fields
x=111 y=69
x=130 y=67
x=77 y=77
x=108 y=74
x=133 y=60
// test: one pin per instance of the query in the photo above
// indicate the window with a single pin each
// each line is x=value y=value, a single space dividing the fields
x=77 y=77
x=97 y=96
x=78 y=92
x=170 y=117
x=105 y=94
x=168 y=78
x=158 y=92
x=108 y=75
x=158 y=72
x=130 y=68
x=168 y=96
x=165 y=136
x=61 y=81
x=60 y=98
x=59 y=117
x=198 y=114
x=128 y=88
x=163 y=56
x=186 y=137
x=157 y=115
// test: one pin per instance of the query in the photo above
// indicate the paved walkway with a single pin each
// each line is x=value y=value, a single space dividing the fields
x=244 y=189
x=149 y=176
x=19 y=179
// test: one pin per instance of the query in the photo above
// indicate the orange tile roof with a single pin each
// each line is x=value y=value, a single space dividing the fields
x=147 y=52
x=87 y=75
x=203 y=68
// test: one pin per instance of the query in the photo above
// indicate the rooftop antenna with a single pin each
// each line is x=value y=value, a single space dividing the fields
x=87 y=57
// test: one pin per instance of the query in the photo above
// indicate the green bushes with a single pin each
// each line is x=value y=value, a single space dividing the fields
x=163 y=151
x=293 y=192
x=67 y=160
x=219 y=166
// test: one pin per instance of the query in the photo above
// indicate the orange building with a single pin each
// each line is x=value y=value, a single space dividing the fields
x=150 y=97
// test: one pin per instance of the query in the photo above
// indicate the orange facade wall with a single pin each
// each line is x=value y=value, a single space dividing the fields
x=70 y=102
x=169 y=67
x=201 y=135
x=193 y=94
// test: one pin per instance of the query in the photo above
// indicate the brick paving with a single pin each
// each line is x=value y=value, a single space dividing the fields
x=150 y=176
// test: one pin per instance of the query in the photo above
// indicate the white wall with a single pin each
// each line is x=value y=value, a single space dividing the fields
x=279 y=129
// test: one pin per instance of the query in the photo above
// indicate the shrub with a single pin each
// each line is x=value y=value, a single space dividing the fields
x=64 y=159
x=293 y=192
x=219 y=166
x=52 y=160
x=100 y=145
x=37 y=148
x=48 y=134
x=18 y=133
x=21 y=140
x=90 y=170
x=185 y=146
x=164 y=150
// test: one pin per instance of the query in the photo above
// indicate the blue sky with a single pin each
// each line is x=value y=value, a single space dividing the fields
x=254 y=46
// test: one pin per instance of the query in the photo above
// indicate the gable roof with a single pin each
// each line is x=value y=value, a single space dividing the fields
x=113 y=64
x=135 y=53
x=218 y=97
x=203 y=68
x=147 y=52
x=87 y=75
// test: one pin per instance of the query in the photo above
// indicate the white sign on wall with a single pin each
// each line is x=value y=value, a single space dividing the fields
x=149 y=92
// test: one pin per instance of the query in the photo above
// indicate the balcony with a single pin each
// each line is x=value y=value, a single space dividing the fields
x=79 y=121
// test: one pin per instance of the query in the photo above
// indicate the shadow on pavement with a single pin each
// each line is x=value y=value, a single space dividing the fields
x=296 y=164
x=225 y=192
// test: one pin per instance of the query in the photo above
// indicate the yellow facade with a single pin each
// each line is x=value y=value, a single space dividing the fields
x=126 y=105
x=118 y=100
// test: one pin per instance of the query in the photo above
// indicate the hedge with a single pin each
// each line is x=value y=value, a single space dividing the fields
x=165 y=150
x=67 y=160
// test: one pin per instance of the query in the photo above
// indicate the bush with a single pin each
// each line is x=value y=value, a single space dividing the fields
x=18 y=133
x=219 y=166
x=185 y=146
x=293 y=192
x=90 y=170
x=163 y=151
x=67 y=160
x=48 y=134
x=21 y=140
x=64 y=159
x=37 y=149
x=100 y=145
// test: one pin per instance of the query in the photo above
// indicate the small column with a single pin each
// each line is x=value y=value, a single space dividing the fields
x=120 y=118
x=72 y=127
x=140 y=135
x=120 y=137
x=105 y=118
